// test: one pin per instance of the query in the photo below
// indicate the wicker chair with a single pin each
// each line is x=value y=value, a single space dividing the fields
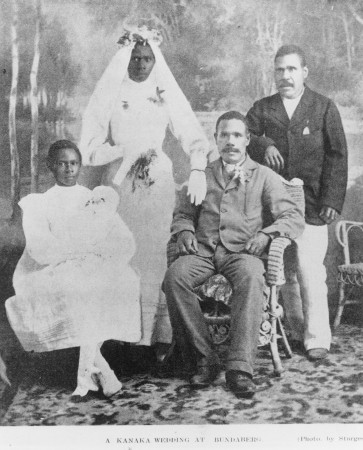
x=215 y=294
x=349 y=274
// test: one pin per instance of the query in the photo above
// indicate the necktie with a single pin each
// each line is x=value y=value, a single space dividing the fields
x=228 y=172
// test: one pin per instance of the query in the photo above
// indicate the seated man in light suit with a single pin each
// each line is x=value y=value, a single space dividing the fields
x=227 y=234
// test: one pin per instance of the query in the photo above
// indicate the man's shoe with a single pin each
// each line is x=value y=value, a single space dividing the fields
x=205 y=376
x=240 y=383
x=297 y=346
x=162 y=370
x=315 y=354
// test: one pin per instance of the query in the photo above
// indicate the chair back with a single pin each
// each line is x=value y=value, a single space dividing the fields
x=343 y=230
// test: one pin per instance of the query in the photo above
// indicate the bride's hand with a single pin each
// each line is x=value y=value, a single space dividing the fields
x=197 y=187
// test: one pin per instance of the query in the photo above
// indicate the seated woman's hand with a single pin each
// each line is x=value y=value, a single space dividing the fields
x=197 y=187
x=187 y=243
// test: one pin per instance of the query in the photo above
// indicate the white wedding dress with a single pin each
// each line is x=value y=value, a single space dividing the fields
x=144 y=180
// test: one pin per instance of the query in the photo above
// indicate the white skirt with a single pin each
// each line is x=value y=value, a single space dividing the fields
x=147 y=201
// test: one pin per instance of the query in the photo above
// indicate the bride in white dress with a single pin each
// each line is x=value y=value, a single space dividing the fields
x=73 y=284
x=123 y=130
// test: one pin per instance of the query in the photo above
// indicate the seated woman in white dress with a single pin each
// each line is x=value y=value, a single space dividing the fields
x=73 y=284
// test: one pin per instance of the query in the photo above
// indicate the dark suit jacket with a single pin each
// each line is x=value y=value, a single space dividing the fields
x=312 y=144
x=233 y=213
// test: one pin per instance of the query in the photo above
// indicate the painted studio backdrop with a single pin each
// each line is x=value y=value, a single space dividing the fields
x=221 y=54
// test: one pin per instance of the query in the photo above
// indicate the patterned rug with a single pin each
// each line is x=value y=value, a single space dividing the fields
x=322 y=392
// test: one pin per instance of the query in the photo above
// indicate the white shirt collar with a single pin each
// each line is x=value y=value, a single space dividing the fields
x=290 y=104
x=231 y=167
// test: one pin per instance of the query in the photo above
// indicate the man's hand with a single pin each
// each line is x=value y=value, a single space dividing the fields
x=257 y=244
x=328 y=214
x=273 y=159
x=187 y=243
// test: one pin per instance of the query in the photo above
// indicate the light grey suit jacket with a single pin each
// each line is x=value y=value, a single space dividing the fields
x=234 y=212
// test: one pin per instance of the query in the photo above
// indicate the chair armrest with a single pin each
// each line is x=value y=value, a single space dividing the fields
x=275 y=261
x=295 y=188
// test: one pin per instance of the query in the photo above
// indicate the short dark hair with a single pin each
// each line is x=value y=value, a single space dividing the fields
x=230 y=115
x=292 y=50
x=60 y=145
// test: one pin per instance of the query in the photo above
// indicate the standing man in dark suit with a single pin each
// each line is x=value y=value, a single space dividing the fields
x=298 y=133
x=227 y=233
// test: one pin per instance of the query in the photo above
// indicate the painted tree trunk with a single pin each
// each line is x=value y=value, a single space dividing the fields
x=14 y=155
x=34 y=154
x=270 y=31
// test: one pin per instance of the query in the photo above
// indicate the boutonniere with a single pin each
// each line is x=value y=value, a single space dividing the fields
x=243 y=176
x=158 y=99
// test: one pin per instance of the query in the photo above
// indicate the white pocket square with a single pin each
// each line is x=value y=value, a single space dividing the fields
x=306 y=130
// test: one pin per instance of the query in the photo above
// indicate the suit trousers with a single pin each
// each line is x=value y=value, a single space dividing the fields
x=246 y=274
x=305 y=293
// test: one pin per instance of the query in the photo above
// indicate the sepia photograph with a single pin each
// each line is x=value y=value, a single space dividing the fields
x=181 y=224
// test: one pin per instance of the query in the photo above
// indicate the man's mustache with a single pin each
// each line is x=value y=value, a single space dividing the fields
x=285 y=84
x=228 y=149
